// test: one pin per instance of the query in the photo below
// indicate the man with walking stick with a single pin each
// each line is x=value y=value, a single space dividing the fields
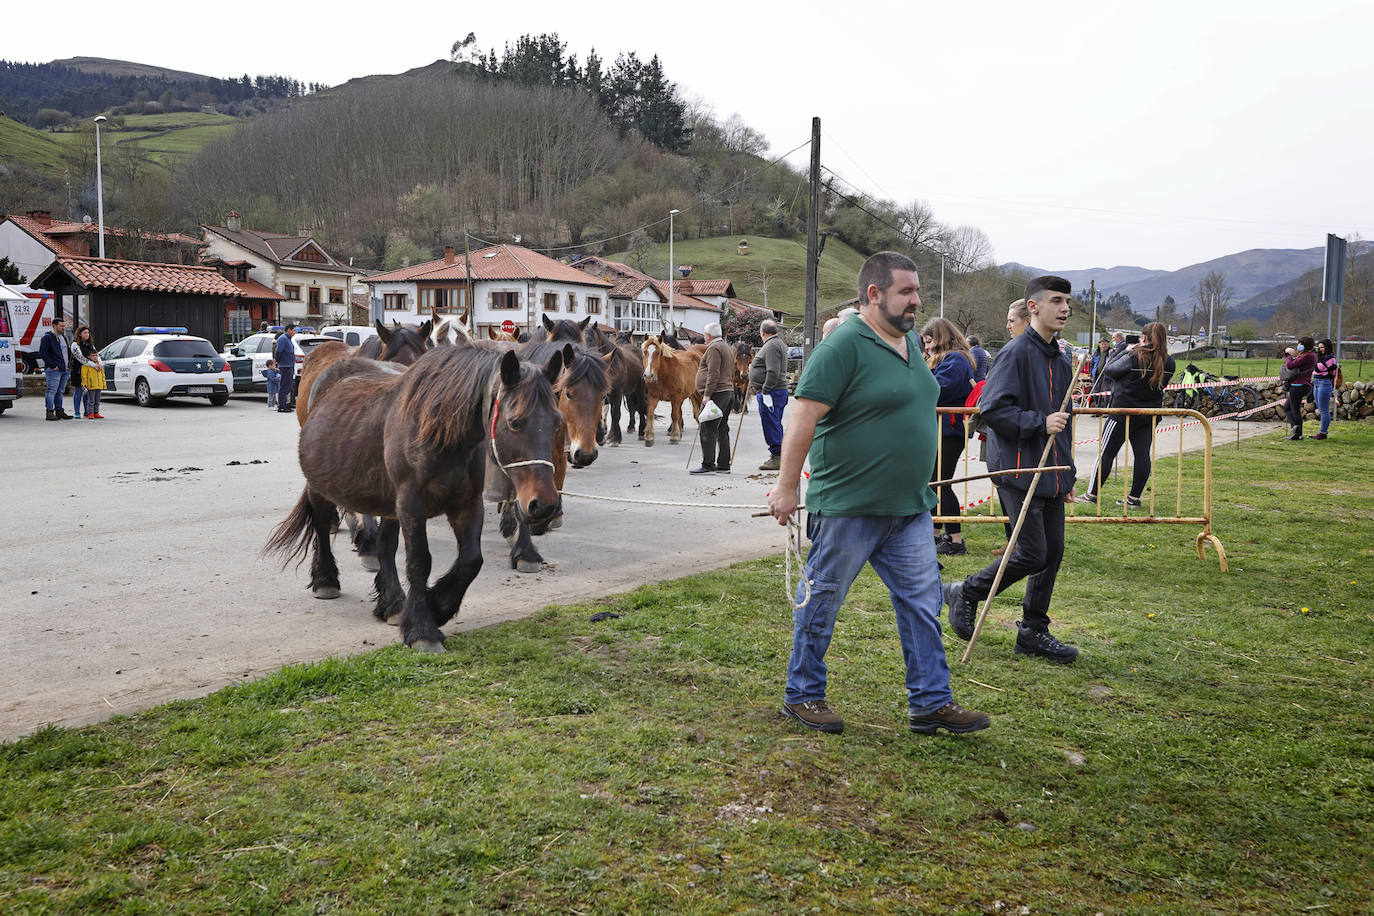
x=867 y=401
x=1023 y=406
x=768 y=376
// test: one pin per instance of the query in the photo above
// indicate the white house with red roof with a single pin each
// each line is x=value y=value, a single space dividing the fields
x=315 y=287
x=693 y=303
x=512 y=289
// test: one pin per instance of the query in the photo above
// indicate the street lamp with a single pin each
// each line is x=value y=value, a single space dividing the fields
x=671 y=214
x=99 y=186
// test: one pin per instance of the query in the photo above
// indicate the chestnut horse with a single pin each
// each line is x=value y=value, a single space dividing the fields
x=410 y=445
x=744 y=355
x=580 y=388
x=669 y=375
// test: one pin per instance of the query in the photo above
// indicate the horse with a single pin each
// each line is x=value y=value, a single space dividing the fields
x=562 y=329
x=626 y=370
x=580 y=388
x=670 y=375
x=400 y=344
x=411 y=444
x=744 y=355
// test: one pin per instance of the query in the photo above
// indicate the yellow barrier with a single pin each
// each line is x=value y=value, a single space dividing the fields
x=1185 y=418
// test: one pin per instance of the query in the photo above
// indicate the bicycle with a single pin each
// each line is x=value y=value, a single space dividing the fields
x=1228 y=399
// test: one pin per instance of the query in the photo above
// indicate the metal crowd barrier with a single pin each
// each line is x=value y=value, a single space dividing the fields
x=1105 y=511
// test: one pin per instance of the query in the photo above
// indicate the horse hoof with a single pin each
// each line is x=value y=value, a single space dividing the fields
x=394 y=620
x=370 y=563
x=427 y=645
x=648 y=443
x=326 y=591
x=527 y=566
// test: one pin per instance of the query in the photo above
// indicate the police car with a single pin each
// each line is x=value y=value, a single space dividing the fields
x=249 y=356
x=153 y=364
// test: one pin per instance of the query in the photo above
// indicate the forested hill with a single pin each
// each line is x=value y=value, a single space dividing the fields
x=44 y=95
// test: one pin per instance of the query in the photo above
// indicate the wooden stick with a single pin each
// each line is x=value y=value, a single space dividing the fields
x=954 y=480
x=1020 y=519
x=739 y=428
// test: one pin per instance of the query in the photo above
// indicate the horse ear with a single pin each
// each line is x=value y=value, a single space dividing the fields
x=555 y=366
x=586 y=321
x=569 y=354
x=491 y=333
x=510 y=369
x=383 y=332
x=609 y=357
x=548 y=324
x=427 y=328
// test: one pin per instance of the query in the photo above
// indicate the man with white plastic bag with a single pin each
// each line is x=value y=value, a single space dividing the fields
x=715 y=384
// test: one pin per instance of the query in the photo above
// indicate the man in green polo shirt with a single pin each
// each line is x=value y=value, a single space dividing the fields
x=864 y=410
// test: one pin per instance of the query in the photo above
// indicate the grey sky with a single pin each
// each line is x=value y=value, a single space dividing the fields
x=1075 y=134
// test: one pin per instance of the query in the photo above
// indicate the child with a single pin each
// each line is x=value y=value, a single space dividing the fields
x=273 y=382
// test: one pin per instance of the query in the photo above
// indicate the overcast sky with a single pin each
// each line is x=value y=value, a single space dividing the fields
x=1075 y=134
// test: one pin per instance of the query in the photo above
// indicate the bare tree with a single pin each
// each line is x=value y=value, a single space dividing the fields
x=1213 y=295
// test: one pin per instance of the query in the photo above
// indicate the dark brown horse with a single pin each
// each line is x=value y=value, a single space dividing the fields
x=561 y=330
x=411 y=445
x=670 y=375
x=625 y=369
x=744 y=355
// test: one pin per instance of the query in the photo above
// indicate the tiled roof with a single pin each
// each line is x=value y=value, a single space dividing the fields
x=740 y=305
x=252 y=289
x=278 y=247
x=682 y=300
x=707 y=287
x=628 y=289
x=499 y=262
x=51 y=234
x=108 y=273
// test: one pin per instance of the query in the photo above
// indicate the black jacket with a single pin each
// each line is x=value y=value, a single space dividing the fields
x=1131 y=385
x=1027 y=383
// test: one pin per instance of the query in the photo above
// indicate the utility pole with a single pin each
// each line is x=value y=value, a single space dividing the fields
x=1092 y=306
x=467 y=275
x=813 y=254
x=1212 y=319
x=942 y=286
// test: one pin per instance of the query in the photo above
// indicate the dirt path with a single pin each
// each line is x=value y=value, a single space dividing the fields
x=137 y=580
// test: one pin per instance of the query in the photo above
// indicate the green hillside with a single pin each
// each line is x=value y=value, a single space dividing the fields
x=162 y=138
x=784 y=261
x=21 y=145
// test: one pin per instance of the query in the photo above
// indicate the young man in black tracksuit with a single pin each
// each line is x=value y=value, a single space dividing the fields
x=1021 y=404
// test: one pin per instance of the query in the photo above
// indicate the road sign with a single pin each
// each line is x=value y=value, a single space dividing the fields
x=508 y=326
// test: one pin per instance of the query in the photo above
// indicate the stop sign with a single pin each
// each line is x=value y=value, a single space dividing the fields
x=508 y=326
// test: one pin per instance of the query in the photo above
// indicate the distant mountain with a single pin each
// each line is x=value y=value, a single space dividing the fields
x=1306 y=287
x=125 y=68
x=1249 y=273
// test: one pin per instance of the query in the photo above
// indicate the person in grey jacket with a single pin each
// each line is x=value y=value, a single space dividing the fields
x=1021 y=404
x=768 y=377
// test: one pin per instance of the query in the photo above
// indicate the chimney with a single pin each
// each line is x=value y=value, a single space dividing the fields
x=43 y=217
x=233 y=221
x=449 y=254
x=303 y=232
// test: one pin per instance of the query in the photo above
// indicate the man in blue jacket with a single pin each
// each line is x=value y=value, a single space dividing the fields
x=52 y=349
x=1021 y=405
x=285 y=355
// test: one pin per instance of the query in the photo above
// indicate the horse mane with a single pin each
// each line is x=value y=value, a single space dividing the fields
x=742 y=348
x=583 y=366
x=445 y=393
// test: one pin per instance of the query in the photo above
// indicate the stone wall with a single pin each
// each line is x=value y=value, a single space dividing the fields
x=1355 y=402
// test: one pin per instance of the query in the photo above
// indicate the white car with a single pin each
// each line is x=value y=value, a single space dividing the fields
x=258 y=348
x=351 y=334
x=152 y=364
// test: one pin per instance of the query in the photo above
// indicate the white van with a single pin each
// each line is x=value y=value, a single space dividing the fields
x=351 y=334
x=31 y=318
x=11 y=381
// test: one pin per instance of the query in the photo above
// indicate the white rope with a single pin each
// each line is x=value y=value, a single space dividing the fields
x=664 y=502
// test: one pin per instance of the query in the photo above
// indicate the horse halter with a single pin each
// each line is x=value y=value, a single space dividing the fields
x=491 y=437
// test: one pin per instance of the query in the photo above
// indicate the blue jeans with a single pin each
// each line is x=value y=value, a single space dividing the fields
x=902 y=553
x=771 y=418
x=57 y=383
x=1321 y=391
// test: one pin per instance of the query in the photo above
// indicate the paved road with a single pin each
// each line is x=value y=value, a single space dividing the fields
x=132 y=573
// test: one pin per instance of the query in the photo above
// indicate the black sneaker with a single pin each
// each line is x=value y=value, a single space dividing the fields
x=814 y=714
x=951 y=717
x=1088 y=498
x=1041 y=643
x=722 y=470
x=951 y=548
x=702 y=470
x=1132 y=501
x=962 y=615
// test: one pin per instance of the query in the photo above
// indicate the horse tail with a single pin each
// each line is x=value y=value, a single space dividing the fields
x=292 y=537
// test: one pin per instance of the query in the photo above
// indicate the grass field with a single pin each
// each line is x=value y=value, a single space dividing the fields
x=1352 y=369
x=39 y=150
x=1209 y=753
x=785 y=260
x=161 y=137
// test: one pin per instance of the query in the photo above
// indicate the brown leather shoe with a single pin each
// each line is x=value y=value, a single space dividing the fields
x=814 y=714
x=951 y=717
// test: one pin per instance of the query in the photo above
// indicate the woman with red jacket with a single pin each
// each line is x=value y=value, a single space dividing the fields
x=1300 y=362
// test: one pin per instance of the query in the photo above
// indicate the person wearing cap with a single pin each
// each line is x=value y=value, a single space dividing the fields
x=768 y=377
x=864 y=410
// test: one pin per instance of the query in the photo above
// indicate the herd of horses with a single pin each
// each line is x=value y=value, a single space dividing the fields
x=415 y=424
